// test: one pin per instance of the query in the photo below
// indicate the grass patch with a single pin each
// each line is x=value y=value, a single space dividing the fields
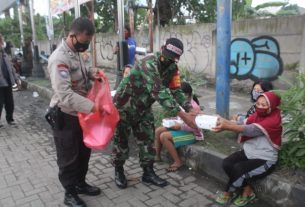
x=41 y=82
x=224 y=142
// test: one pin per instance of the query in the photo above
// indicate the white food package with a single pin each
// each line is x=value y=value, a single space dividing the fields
x=206 y=121
x=113 y=93
x=169 y=122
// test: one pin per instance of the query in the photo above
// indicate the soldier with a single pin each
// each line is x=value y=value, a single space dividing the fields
x=71 y=81
x=154 y=78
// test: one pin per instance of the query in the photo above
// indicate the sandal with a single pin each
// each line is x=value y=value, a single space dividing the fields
x=223 y=199
x=173 y=168
x=242 y=201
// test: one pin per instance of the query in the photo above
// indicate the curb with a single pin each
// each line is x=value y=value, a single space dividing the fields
x=42 y=91
x=272 y=189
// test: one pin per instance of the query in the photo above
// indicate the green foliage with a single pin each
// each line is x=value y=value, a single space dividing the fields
x=291 y=66
x=270 y=4
x=196 y=80
x=293 y=108
x=107 y=12
x=288 y=10
x=204 y=10
x=9 y=27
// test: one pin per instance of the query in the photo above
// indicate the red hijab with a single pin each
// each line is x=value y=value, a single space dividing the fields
x=271 y=125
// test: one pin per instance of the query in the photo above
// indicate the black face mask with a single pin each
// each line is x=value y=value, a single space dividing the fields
x=80 y=47
x=165 y=62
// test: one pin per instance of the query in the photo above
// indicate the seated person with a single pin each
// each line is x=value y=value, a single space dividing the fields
x=179 y=134
x=261 y=137
x=258 y=88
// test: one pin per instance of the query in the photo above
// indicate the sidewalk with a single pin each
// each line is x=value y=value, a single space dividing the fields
x=275 y=190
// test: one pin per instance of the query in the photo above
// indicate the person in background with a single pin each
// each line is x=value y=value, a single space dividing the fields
x=131 y=50
x=258 y=88
x=261 y=138
x=7 y=80
x=179 y=134
x=153 y=78
x=132 y=44
x=70 y=81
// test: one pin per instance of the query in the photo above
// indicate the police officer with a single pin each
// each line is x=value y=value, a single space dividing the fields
x=154 y=78
x=71 y=81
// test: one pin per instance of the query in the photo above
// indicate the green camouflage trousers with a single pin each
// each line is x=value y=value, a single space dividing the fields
x=143 y=130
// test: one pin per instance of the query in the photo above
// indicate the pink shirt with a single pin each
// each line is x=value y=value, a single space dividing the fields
x=197 y=132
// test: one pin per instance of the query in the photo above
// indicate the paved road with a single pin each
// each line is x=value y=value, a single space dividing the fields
x=28 y=170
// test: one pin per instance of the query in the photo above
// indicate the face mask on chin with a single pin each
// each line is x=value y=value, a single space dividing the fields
x=80 y=47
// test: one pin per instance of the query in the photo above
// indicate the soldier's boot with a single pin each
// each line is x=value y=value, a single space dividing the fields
x=120 y=179
x=72 y=200
x=149 y=176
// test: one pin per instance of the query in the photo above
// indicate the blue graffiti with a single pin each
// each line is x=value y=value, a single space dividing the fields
x=256 y=59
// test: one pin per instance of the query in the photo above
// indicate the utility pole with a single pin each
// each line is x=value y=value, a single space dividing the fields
x=121 y=43
x=223 y=42
x=158 y=26
x=77 y=9
x=19 y=8
x=93 y=44
x=50 y=28
x=131 y=17
x=37 y=68
x=150 y=23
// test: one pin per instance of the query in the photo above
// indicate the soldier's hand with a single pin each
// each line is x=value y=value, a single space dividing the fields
x=188 y=118
x=176 y=127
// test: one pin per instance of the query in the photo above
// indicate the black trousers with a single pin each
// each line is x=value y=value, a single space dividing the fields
x=242 y=170
x=6 y=99
x=72 y=155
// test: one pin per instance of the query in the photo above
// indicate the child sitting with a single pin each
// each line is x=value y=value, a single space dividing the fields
x=179 y=134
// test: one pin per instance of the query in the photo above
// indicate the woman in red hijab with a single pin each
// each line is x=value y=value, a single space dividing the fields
x=260 y=136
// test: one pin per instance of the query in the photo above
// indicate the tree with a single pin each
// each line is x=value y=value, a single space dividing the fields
x=288 y=10
x=203 y=11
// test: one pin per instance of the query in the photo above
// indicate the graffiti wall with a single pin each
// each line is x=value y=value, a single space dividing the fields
x=105 y=44
x=256 y=59
x=259 y=48
x=198 y=46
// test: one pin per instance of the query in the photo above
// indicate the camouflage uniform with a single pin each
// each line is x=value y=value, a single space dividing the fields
x=135 y=95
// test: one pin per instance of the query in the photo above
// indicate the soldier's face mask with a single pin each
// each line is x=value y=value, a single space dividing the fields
x=80 y=47
x=165 y=62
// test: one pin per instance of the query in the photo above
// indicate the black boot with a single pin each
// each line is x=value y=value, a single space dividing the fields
x=149 y=176
x=87 y=189
x=72 y=200
x=120 y=179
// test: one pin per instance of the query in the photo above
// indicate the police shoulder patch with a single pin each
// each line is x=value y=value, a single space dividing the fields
x=63 y=74
x=63 y=70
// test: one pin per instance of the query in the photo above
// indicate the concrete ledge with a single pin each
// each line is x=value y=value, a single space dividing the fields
x=42 y=91
x=273 y=189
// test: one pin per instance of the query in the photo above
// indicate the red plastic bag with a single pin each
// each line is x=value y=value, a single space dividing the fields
x=98 y=128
